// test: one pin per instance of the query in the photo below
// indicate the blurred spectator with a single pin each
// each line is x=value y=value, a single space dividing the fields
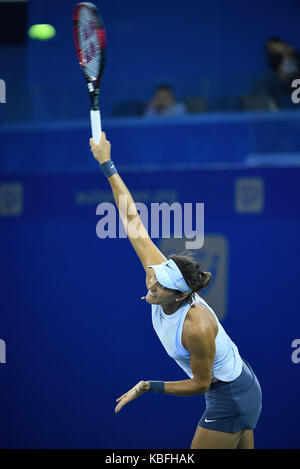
x=164 y=103
x=283 y=59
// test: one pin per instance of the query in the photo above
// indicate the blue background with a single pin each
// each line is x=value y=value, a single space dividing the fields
x=76 y=331
x=78 y=335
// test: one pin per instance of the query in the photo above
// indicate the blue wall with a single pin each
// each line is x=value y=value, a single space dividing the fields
x=208 y=139
x=78 y=335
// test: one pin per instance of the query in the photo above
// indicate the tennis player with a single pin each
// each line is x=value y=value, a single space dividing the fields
x=191 y=334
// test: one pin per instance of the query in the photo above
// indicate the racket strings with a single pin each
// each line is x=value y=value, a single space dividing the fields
x=89 y=43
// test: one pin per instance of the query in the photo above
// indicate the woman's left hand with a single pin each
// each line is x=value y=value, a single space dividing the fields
x=132 y=394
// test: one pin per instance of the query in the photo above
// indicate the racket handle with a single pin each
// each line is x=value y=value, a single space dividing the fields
x=96 y=125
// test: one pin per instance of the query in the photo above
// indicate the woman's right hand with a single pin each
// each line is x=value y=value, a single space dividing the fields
x=101 y=151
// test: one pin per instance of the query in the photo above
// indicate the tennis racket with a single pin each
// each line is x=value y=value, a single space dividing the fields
x=90 y=43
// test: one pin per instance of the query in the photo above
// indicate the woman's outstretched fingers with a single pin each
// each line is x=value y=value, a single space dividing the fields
x=129 y=396
x=119 y=398
x=122 y=402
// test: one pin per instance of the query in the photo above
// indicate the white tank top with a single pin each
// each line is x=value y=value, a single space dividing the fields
x=227 y=364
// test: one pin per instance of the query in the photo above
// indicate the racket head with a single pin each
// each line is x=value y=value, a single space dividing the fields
x=90 y=41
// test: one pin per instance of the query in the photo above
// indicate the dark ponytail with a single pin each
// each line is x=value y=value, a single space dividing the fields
x=205 y=279
x=192 y=274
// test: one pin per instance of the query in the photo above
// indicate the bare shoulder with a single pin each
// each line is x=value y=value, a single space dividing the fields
x=199 y=321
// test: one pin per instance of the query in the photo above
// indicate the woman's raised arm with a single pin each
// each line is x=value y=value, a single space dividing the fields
x=146 y=250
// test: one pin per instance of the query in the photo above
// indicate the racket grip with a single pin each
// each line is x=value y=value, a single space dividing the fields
x=96 y=125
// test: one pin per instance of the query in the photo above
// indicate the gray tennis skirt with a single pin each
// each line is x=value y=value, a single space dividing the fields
x=235 y=405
